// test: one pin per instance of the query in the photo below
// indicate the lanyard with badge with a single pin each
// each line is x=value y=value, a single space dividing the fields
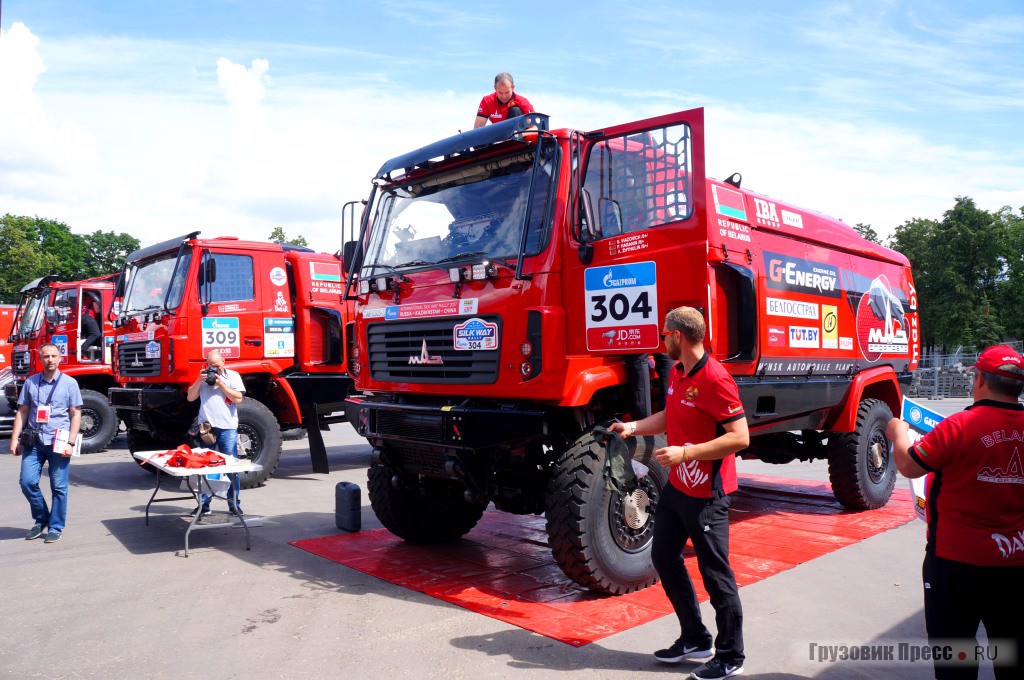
x=43 y=410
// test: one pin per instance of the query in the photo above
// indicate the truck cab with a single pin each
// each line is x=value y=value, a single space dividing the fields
x=70 y=315
x=274 y=312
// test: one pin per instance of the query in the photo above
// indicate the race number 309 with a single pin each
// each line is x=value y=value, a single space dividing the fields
x=220 y=337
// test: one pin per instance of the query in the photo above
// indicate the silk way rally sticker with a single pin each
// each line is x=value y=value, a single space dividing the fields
x=476 y=334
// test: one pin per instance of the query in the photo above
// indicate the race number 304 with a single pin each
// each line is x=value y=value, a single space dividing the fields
x=221 y=333
x=622 y=307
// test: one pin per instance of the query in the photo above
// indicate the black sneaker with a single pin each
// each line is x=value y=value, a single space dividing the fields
x=203 y=512
x=680 y=651
x=235 y=509
x=716 y=669
x=52 y=537
x=38 y=531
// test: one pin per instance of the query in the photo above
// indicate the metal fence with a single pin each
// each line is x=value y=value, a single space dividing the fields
x=948 y=375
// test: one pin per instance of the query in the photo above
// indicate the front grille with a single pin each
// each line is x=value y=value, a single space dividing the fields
x=133 y=362
x=22 y=364
x=425 y=427
x=424 y=352
x=417 y=459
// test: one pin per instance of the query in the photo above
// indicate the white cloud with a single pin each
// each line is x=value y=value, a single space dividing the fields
x=204 y=141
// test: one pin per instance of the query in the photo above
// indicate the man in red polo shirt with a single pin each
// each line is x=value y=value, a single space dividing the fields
x=503 y=103
x=974 y=557
x=706 y=425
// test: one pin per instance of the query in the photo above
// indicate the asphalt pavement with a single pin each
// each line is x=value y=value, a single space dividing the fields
x=115 y=598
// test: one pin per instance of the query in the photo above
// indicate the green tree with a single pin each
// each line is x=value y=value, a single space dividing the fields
x=21 y=257
x=278 y=236
x=987 y=328
x=958 y=264
x=1009 y=299
x=868 y=232
x=107 y=252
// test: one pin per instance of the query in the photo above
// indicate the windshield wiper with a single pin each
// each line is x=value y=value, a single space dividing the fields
x=478 y=253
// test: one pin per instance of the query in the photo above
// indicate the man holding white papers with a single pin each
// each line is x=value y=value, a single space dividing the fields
x=974 y=558
x=45 y=430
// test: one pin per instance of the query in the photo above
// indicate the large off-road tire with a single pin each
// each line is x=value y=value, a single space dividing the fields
x=259 y=440
x=440 y=515
x=99 y=422
x=860 y=466
x=601 y=539
x=143 y=441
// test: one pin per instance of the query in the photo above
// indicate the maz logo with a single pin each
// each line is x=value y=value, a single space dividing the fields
x=425 y=358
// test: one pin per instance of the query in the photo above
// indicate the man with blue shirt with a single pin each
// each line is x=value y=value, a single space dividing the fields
x=49 y=413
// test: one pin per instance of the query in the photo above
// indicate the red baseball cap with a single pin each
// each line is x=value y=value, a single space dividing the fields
x=1000 y=355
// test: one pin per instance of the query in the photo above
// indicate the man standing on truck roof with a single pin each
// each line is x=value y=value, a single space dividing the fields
x=706 y=425
x=974 y=558
x=503 y=103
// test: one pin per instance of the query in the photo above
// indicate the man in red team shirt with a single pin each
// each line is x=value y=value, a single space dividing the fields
x=974 y=557
x=706 y=425
x=503 y=103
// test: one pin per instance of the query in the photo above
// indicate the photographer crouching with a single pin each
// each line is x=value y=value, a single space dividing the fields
x=220 y=391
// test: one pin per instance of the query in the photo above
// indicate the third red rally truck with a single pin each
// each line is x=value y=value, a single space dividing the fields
x=73 y=316
x=275 y=313
x=511 y=290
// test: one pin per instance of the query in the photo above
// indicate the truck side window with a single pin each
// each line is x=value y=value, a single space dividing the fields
x=234 y=278
x=639 y=181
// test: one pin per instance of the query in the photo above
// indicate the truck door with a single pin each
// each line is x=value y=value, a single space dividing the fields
x=233 y=322
x=638 y=193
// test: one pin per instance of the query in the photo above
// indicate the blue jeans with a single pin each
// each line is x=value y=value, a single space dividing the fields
x=32 y=461
x=227 y=443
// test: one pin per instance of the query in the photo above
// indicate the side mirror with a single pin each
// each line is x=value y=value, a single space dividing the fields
x=51 y=315
x=211 y=270
x=586 y=216
x=351 y=253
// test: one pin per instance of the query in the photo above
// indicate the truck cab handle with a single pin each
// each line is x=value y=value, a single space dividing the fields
x=253 y=342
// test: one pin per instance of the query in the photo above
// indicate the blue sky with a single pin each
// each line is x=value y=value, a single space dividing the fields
x=236 y=116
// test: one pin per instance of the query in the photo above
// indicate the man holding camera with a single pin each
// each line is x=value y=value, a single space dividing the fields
x=45 y=429
x=220 y=391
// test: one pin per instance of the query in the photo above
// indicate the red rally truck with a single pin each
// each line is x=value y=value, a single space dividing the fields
x=54 y=311
x=513 y=281
x=275 y=313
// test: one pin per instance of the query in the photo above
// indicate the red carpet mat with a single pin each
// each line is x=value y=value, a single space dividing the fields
x=504 y=569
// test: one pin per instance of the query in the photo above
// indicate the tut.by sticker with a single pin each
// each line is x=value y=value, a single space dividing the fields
x=475 y=334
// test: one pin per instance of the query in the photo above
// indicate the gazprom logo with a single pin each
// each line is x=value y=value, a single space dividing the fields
x=618 y=276
x=916 y=416
x=611 y=281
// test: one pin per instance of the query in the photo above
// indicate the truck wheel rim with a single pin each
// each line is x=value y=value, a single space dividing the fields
x=90 y=423
x=631 y=516
x=878 y=456
x=249 y=442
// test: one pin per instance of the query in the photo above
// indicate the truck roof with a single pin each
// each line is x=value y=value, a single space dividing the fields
x=809 y=225
x=233 y=241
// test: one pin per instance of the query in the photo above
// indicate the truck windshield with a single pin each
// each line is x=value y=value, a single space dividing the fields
x=150 y=282
x=31 y=317
x=479 y=210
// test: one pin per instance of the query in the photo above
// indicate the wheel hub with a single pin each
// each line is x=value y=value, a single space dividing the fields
x=635 y=509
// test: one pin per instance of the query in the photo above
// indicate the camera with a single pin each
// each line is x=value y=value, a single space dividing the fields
x=211 y=376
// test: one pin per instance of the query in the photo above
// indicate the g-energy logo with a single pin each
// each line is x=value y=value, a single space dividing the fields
x=803 y=276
